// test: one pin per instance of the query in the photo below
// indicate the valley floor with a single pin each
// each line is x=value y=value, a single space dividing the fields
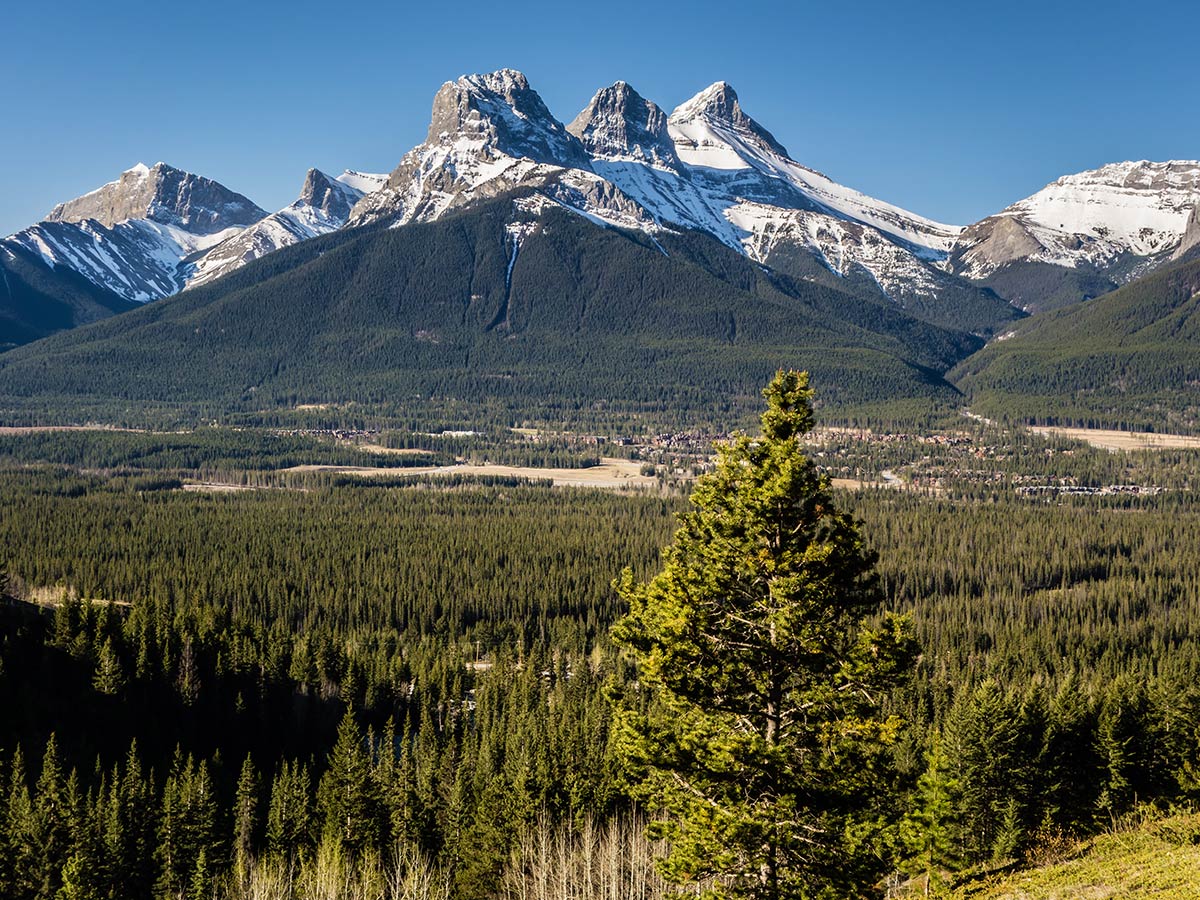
x=611 y=473
x=1108 y=439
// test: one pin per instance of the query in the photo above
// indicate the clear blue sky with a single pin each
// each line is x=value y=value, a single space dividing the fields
x=951 y=109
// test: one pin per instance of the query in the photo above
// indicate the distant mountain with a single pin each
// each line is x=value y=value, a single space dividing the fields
x=135 y=236
x=707 y=167
x=151 y=233
x=1129 y=359
x=514 y=307
x=1083 y=235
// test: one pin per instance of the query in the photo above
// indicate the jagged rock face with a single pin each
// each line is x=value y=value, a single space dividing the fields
x=331 y=197
x=507 y=115
x=488 y=134
x=1191 y=234
x=166 y=195
x=323 y=206
x=620 y=124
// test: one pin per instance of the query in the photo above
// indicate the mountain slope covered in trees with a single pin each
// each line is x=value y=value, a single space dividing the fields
x=1128 y=359
x=516 y=303
x=36 y=300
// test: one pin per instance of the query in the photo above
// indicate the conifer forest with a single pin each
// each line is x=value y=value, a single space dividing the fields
x=812 y=662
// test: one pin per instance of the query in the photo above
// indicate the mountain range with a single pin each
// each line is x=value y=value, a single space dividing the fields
x=700 y=187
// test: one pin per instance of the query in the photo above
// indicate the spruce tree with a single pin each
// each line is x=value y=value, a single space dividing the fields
x=19 y=874
x=246 y=816
x=349 y=796
x=761 y=742
x=930 y=829
x=289 y=818
x=51 y=823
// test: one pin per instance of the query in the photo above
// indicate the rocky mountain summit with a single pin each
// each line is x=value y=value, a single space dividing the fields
x=163 y=194
x=323 y=206
x=620 y=124
x=624 y=162
x=157 y=230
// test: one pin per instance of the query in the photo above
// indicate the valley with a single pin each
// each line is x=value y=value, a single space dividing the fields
x=611 y=507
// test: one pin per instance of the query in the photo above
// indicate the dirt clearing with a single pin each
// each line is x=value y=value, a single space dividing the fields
x=1122 y=440
x=611 y=473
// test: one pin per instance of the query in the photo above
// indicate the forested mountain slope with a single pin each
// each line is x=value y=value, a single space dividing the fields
x=36 y=300
x=517 y=303
x=1129 y=359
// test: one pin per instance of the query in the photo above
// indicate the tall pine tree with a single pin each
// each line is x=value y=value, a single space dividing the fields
x=762 y=744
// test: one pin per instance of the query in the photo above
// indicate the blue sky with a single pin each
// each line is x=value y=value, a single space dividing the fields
x=949 y=109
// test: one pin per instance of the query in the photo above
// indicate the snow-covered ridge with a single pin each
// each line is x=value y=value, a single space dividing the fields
x=323 y=207
x=363 y=182
x=157 y=230
x=624 y=161
x=1093 y=218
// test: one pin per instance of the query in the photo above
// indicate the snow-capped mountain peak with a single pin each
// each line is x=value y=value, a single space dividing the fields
x=323 y=207
x=620 y=124
x=487 y=134
x=332 y=197
x=1092 y=218
x=502 y=111
x=135 y=236
x=704 y=120
x=163 y=194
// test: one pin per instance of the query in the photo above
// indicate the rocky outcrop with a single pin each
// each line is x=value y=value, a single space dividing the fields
x=165 y=195
x=992 y=243
x=1191 y=235
x=330 y=196
x=323 y=207
x=620 y=124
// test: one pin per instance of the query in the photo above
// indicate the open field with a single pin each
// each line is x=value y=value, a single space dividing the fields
x=1122 y=440
x=37 y=429
x=611 y=473
x=219 y=487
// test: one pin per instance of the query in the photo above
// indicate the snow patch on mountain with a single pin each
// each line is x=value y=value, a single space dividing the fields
x=840 y=245
x=323 y=207
x=138 y=259
x=363 y=182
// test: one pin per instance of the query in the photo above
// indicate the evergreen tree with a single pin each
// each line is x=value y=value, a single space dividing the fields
x=349 y=796
x=246 y=816
x=762 y=747
x=110 y=677
x=986 y=745
x=51 y=822
x=289 y=818
x=19 y=874
x=929 y=831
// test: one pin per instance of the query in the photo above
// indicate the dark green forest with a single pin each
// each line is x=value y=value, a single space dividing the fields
x=202 y=691
x=1124 y=360
x=417 y=321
